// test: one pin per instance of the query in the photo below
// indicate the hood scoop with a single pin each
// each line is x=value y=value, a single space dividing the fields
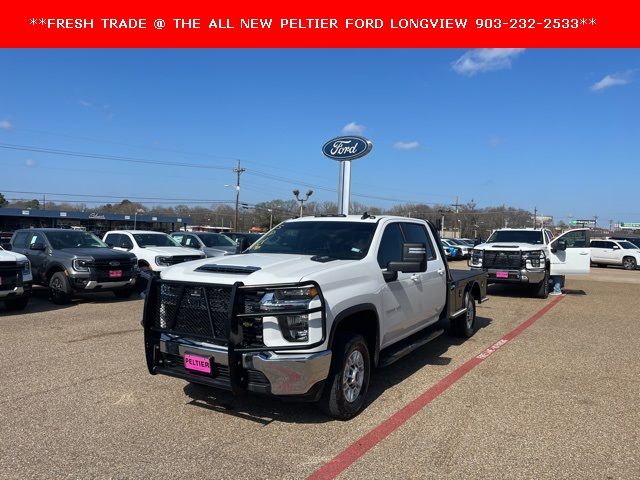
x=234 y=269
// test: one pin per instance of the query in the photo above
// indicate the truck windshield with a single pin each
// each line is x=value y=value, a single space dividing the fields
x=216 y=240
x=516 y=236
x=154 y=240
x=339 y=240
x=628 y=245
x=74 y=239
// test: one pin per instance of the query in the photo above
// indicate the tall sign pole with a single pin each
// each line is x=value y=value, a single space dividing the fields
x=345 y=149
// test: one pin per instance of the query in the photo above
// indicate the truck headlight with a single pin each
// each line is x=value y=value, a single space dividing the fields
x=81 y=264
x=26 y=267
x=536 y=258
x=294 y=327
x=163 y=261
x=476 y=258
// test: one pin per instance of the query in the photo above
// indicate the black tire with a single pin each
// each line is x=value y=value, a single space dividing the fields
x=542 y=290
x=59 y=289
x=350 y=353
x=629 y=263
x=16 y=304
x=123 y=293
x=465 y=325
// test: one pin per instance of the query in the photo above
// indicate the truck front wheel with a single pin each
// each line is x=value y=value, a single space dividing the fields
x=59 y=289
x=348 y=381
x=542 y=290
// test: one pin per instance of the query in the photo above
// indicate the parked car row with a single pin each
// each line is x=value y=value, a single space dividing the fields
x=71 y=261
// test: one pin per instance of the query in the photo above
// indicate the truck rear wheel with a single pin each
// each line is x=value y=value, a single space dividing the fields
x=348 y=381
x=59 y=289
x=465 y=325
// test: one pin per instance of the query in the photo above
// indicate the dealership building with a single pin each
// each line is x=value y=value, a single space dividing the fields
x=14 y=218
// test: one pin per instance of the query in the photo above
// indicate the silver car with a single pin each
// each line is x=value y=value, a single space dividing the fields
x=212 y=244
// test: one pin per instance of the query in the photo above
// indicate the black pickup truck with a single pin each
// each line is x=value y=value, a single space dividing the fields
x=71 y=261
x=309 y=309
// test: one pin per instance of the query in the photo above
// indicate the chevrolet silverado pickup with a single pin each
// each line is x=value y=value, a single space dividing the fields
x=531 y=256
x=309 y=310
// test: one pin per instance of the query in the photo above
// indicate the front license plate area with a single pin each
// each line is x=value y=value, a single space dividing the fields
x=115 y=273
x=502 y=274
x=196 y=363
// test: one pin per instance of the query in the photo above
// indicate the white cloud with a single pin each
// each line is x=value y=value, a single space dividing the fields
x=485 y=60
x=353 y=128
x=495 y=141
x=612 y=80
x=31 y=163
x=406 y=145
x=85 y=104
x=6 y=124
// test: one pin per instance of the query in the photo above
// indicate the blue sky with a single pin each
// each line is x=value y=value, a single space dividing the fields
x=554 y=129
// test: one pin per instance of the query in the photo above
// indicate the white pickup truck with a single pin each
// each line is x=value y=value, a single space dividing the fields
x=309 y=310
x=15 y=279
x=531 y=256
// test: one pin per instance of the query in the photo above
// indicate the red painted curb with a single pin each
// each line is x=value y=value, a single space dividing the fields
x=353 y=452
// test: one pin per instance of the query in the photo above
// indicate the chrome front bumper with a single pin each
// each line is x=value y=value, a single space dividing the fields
x=14 y=292
x=516 y=276
x=92 y=284
x=291 y=374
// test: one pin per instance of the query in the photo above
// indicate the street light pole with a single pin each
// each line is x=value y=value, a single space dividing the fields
x=296 y=193
x=270 y=218
x=238 y=171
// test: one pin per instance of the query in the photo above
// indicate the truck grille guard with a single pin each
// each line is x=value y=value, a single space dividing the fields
x=218 y=314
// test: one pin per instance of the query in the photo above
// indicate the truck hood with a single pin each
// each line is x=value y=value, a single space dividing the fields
x=95 y=253
x=218 y=251
x=8 y=256
x=509 y=246
x=173 y=251
x=269 y=268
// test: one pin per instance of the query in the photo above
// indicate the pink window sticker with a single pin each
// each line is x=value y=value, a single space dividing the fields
x=502 y=274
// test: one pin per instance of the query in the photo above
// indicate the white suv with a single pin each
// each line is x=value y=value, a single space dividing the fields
x=615 y=252
x=15 y=280
x=155 y=250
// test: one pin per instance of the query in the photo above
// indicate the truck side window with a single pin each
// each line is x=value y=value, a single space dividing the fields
x=113 y=239
x=125 y=242
x=576 y=239
x=20 y=240
x=391 y=245
x=417 y=234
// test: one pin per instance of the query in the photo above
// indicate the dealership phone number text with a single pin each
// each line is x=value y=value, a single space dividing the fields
x=524 y=23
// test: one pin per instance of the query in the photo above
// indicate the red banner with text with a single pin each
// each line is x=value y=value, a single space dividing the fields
x=324 y=24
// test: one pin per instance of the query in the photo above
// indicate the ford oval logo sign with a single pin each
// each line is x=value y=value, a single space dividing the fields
x=347 y=148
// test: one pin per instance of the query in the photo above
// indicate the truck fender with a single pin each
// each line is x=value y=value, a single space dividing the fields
x=354 y=310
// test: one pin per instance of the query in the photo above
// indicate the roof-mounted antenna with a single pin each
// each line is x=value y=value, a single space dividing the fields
x=366 y=215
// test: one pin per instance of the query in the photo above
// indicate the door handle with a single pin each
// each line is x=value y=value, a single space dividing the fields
x=441 y=271
x=584 y=253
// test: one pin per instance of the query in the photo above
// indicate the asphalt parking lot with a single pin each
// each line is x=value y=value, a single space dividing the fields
x=560 y=400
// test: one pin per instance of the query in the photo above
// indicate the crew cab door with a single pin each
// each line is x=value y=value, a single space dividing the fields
x=576 y=258
x=432 y=282
x=38 y=258
x=400 y=296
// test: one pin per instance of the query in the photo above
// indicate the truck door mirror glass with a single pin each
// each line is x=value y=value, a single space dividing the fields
x=414 y=259
x=559 y=246
x=38 y=246
x=616 y=247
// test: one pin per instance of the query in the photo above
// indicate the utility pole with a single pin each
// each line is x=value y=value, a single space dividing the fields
x=44 y=202
x=595 y=220
x=457 y=205
x=611 y=226
x=535 y=216
x=441 y=223
x=238 y=171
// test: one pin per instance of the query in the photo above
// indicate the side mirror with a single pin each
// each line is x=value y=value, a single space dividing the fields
x=7 y=246
x=616 y=247
x=38 y=246
x=414 y=259
x=389 y=276
x=110 y=245
x=560 y=245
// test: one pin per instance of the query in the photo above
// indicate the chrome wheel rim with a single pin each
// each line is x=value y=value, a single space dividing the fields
x=353 y=376
x=470 y=312
x=628 y=263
